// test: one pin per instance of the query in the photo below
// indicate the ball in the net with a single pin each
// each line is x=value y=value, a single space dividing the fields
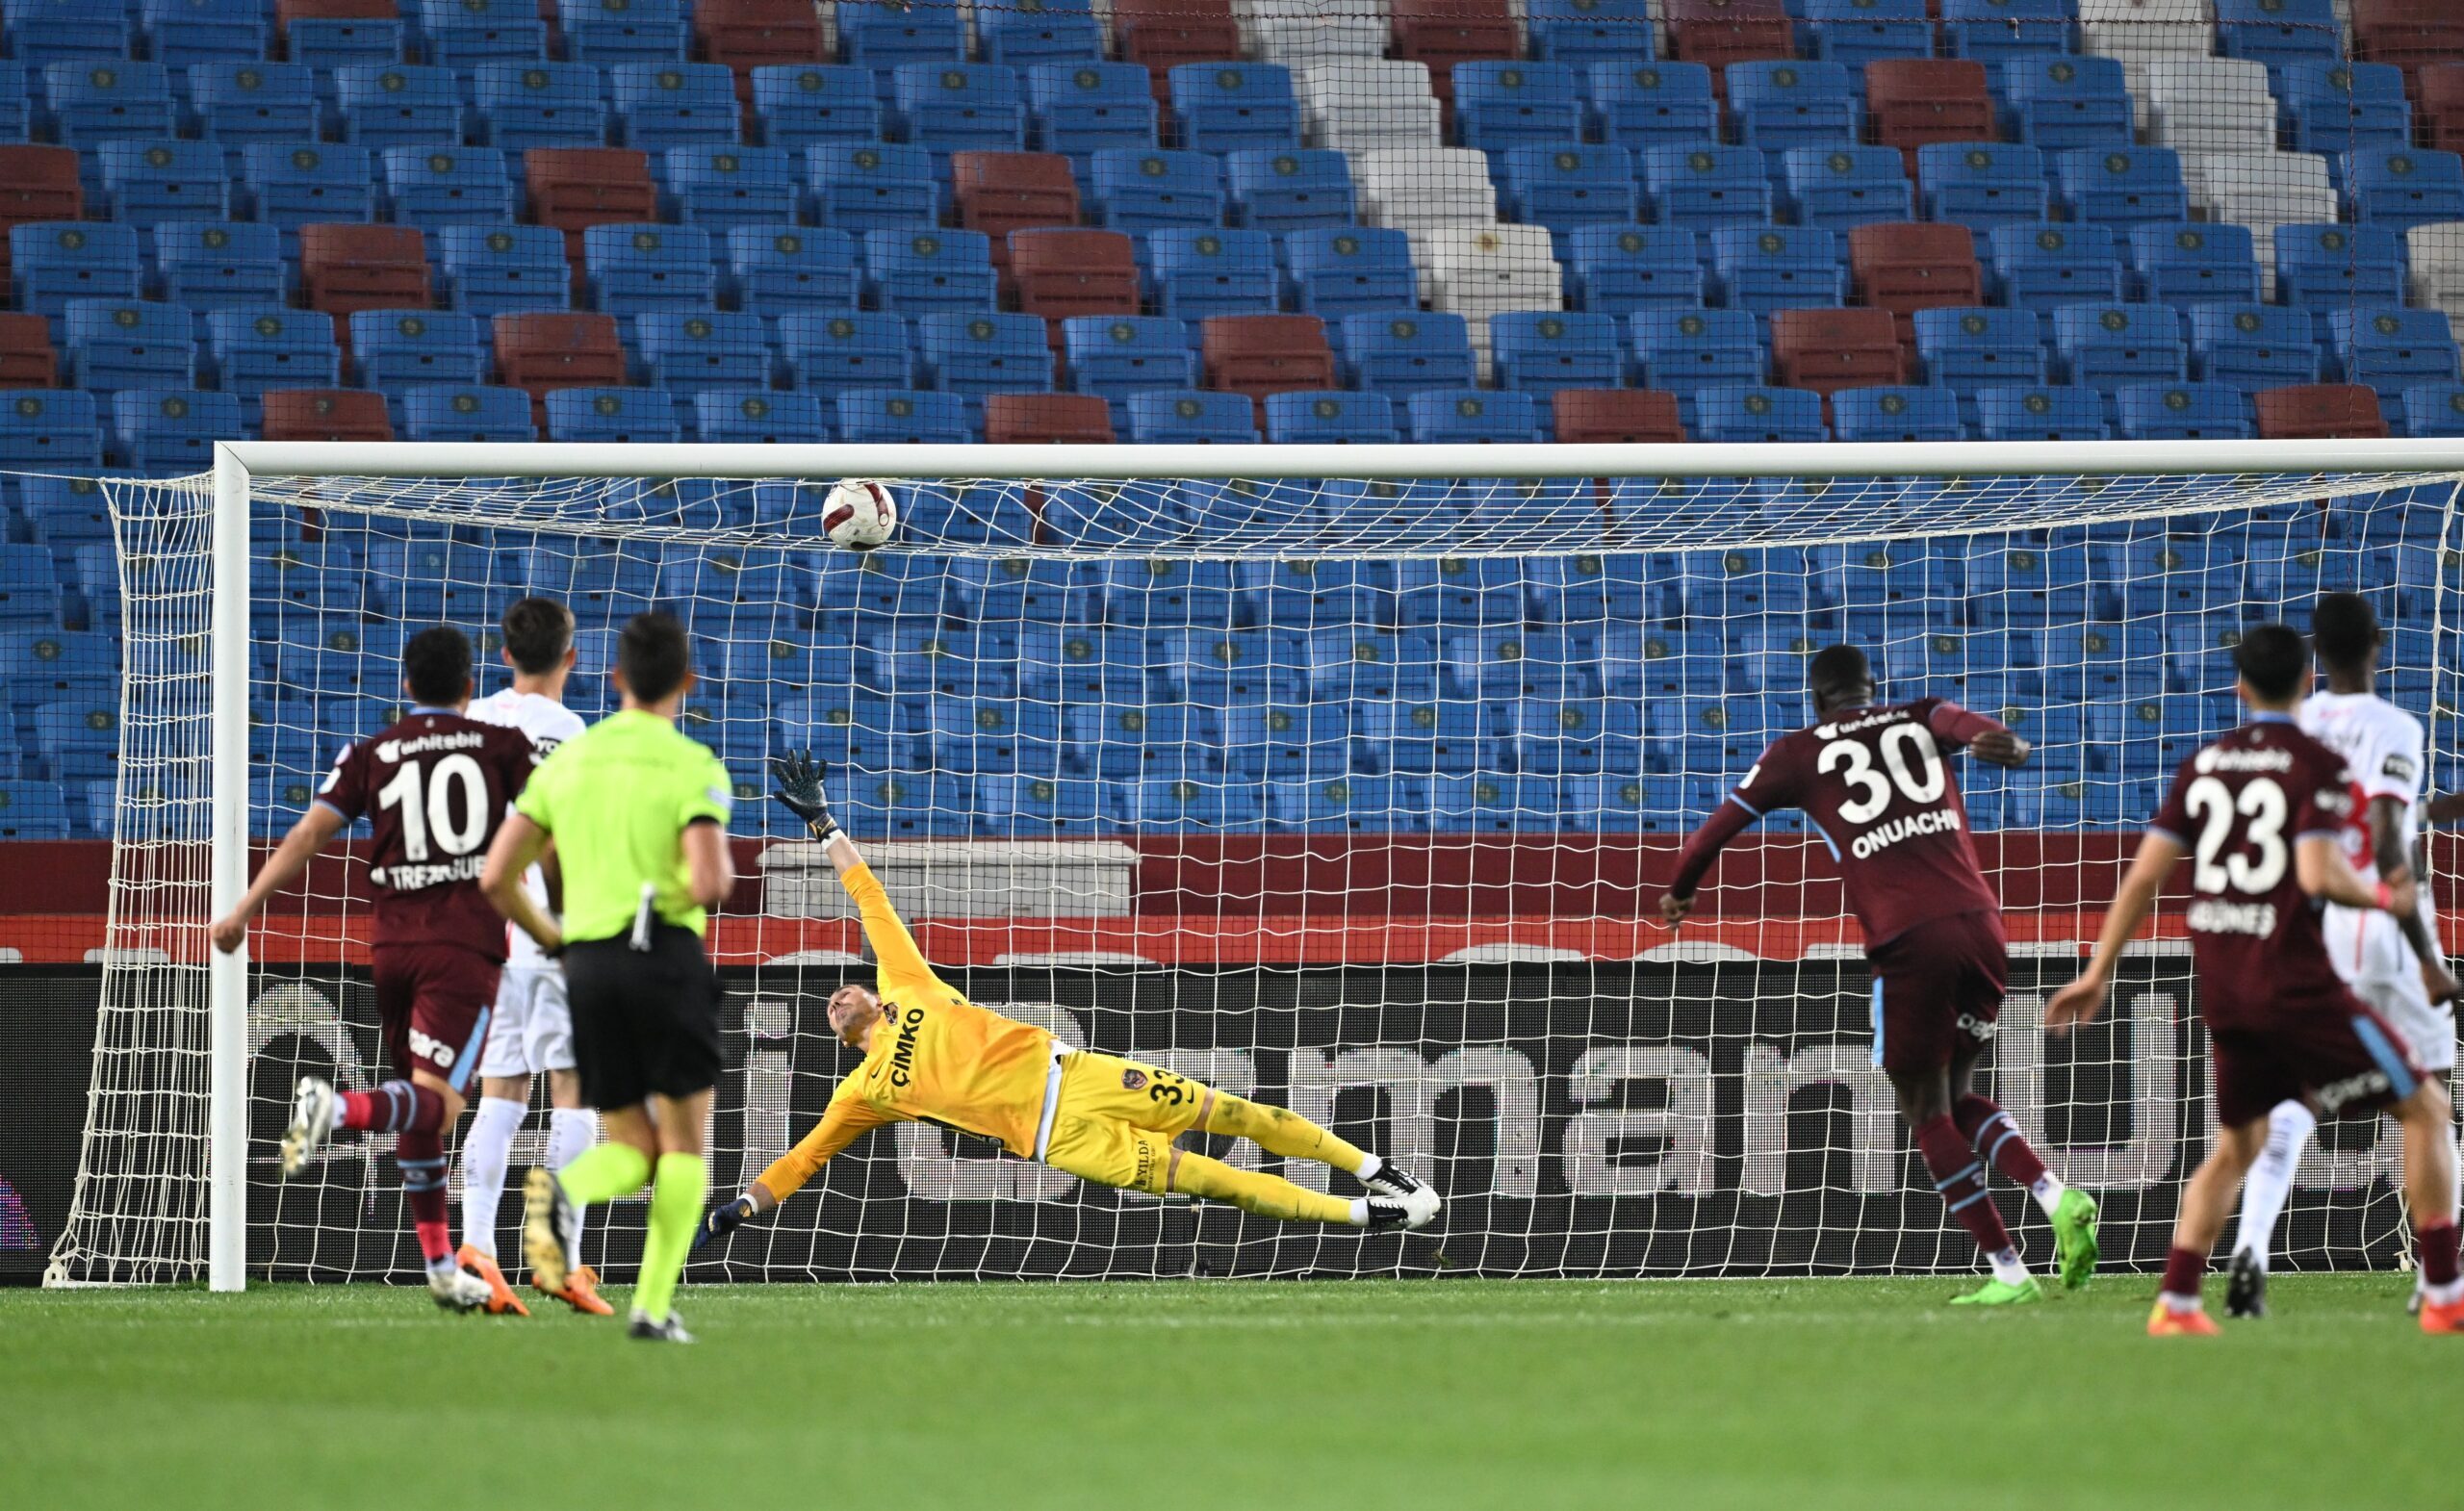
x=860 y=514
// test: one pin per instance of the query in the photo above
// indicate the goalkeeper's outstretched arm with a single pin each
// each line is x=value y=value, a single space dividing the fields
x=799 y=778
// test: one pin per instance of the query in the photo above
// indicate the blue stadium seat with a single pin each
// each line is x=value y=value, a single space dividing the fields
x=526 y=105
x=41 y=32
x=467 y=35
x=1757 y=414
x=720 y=187
x=1049 y=31
x=975 y=354
x=1193 y=273
x=171 y=432
x=438 y=186
x=1351 y=271
x=1570 y=186
x=2122 y=186
x=799 y=104
x=1539 y=352
x=867 y=186
x=33 y=811
x=688 y=353
x=1234 y=107
x=2337 y=107
x=1191 y=417
x=1620 y=269
x=919 y=272
x=1791 y=104
x=196 y=34
x=630 y=269
x=610 y=415
x=392 y=351
x=327 y=44
x=2252 y=346
x=52 y=262
x=2045 y=266
x=248 y=351
x=1897 y=413
x=210 y=265
x=289 y=187
x=2184 y=412
x=2059 y=102
x=1500 y=106
x=1982 y=185
x=2434 y=409
x=1968 y=350
x=466 y=411
x=1706 y=187
x=1838 y=187
x=832 y=352
x=1398 y=354
x=664 y=105
x=117 y=344
x=1078 y=109
x=1285 y=192
x=2188 y=263
x=1118 y=355
x=1330 y=419
x=2040 y=414
x=2393 y=349
x=44 y=429
x=386 y=105
x=903 y=416
x=1776 y=268
x=40 y=666
x=1683 y=352
x=29 y=592
x=1858 y=32
x=16 y=119
x=612 y=32
x=239 y=102
x=152 y=181
x=960 y=107
x=1586 y=32
x=2279 y=33
x=756 y=416
x=881 y=36
x=1642 y=105
x=2106 y=346
x=2400 y=187
x=1135 y=190
x=92 y=102
x=1991 y=31
x=774 y=270
x=492 y=269
x=2324 y=268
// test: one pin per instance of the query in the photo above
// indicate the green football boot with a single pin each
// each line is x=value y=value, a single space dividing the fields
x=2000 y=1293
x=2074 y=1237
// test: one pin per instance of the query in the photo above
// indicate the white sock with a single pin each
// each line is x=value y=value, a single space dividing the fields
x=571 y=1131
x=2047 y=1190
x=2270 y=1182
x=2007 y=1268
x=485 y=1150
x=1370 y=1166
x=2181 y=1305
x=1360 y=1211
x=440 y=1268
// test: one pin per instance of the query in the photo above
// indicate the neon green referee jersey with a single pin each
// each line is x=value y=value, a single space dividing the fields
x=617 y=798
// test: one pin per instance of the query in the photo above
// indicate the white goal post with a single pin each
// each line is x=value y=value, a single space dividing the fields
x=1579 y=499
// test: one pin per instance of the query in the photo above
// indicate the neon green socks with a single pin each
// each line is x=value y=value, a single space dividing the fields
x=676 y=1211
x=603 y=1172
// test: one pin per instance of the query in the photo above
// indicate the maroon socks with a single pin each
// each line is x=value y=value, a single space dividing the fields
x=1959 y=1176
x=395 y=1106
x=1993 y=1133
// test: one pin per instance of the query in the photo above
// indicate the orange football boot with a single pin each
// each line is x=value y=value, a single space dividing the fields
x=2166 y=1322
x=2443 y=1320
x=581 y=1292
x=501 y=1297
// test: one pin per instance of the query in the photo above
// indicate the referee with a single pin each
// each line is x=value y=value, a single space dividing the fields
x=638 y=812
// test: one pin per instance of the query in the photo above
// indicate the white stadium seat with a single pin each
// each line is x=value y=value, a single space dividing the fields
x=1357 y=104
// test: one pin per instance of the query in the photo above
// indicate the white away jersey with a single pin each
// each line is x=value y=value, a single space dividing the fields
x=2382 y=747
x=549 y=724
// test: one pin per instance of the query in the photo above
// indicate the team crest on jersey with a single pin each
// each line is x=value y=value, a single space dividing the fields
x=2399 y=768
x=1132 y=1079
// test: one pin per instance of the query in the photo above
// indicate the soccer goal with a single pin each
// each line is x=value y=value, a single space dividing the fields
x=1344 y=777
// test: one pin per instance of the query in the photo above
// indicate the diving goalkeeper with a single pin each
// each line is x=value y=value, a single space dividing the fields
x=933 y=1056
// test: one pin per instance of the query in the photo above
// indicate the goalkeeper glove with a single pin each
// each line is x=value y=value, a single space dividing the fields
x=722 y=1220
x=799 y=779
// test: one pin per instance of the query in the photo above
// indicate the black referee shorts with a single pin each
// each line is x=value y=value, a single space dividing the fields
x=644 y=1021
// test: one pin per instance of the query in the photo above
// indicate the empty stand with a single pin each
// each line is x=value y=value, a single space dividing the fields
x=336 y=414
x=1060 y=419
x=1911 y=102
x=573 y=189
x=1631 y=416
x=539 y=353
x=2320 y=412
x=1826 y=350
x=1258 y=355
x=344 y=268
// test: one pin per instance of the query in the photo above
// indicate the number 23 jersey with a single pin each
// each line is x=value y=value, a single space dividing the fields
x=1875 y=783
x=433 y=788
x=2239 y=806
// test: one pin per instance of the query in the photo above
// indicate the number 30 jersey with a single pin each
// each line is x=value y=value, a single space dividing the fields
x=2239 y=806
x=1875 y=783
x=433 y=788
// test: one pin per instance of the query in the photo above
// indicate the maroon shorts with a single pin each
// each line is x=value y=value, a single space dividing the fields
x=1938 y=989
x=433 y=1002
x=2340 y=1055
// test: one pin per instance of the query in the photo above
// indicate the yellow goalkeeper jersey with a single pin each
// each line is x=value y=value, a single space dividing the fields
x=935 y=1057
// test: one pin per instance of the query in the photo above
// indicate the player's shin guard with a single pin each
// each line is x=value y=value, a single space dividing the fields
x=571 y=1132
x=1959 y=1176
x=676 y=1211
x=395 y=1106
x=420 y=1157
x=1251 y=1191
x=2268 y=1185
x=1283 y=1133
x=485 y=1151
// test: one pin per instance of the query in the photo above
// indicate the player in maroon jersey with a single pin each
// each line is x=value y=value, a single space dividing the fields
x=2261 y=809
x=433 y=787
x=1872 y=779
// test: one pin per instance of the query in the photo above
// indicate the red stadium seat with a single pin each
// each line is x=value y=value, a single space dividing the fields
x=2438 y=111
x=2320 y=412
x=1912 y=101
x=26 y=356
x=1908 y=266
x=1717 y=33
x=2413 y=35
x=1443 y=32
x=1060 y=273
x=1632 y=415
x=1163 y=33
x=1056 y=418
x=1826 y=350
x=998 y=192
x=37 y=184
x=326 y=413
x=286 y=12
x=538 y=351
x=747 y=35
x=574 y=189
x=1262 y=354
x=349 y=268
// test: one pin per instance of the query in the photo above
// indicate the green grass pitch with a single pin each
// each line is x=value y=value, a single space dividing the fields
x=1822 y=1394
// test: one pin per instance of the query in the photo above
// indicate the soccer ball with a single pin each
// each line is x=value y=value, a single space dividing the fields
x=860 y=514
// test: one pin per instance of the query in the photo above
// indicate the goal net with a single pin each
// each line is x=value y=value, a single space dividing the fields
x=1353 y=794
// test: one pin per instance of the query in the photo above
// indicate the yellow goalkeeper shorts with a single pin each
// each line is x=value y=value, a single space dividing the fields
x=1117 y=1120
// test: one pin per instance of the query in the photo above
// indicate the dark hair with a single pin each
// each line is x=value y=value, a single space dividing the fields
x=436 y=664
x=2272 y=660
x=1835 y=670
x=2344 y=629
x=537 y=633
x=654 y=655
